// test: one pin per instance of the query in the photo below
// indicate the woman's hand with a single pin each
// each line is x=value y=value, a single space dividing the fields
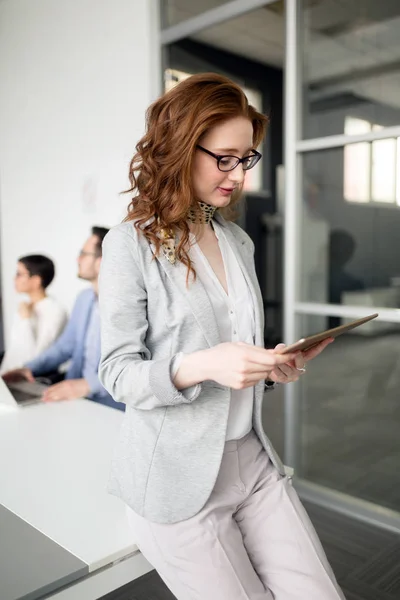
x=238 y=365
x=25 y=310
x=22 y=374
x=292 y=370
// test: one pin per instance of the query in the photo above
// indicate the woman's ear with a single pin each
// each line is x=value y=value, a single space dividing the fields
x=36 y=282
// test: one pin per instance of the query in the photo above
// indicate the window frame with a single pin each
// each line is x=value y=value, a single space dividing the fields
x=372 y=201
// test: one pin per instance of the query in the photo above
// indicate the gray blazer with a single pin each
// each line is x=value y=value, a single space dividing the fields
x=170 y=447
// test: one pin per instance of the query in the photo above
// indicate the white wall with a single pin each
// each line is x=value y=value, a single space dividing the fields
x=76 y=78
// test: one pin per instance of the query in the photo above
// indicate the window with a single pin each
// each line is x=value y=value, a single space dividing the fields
x=172 y=77
x=253 y=180
x=371 y=169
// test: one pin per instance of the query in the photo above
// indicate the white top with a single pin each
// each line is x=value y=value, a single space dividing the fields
x=30 y=337
x=57 y=478
x=235 y=317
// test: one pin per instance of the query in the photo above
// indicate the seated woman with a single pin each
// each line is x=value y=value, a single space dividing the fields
x=38 y=322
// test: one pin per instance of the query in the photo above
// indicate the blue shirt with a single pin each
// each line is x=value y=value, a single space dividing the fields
x=90 y=361
x=79 y=343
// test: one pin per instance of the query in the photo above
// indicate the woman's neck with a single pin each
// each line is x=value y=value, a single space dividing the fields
x=200 y=229
x=37 y=296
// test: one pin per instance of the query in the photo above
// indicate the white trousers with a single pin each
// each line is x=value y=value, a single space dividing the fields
x=253 y=540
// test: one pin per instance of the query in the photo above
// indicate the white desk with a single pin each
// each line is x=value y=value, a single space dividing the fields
x=54 y=465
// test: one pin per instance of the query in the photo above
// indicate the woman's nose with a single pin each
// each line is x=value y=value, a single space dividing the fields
x=237 y=174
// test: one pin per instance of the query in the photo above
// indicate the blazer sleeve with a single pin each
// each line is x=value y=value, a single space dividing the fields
x=126 y=369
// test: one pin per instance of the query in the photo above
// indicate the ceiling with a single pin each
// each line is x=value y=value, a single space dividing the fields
x=350 y=46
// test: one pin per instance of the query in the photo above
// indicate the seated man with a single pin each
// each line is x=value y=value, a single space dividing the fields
x=39 y=322
x=80 y=340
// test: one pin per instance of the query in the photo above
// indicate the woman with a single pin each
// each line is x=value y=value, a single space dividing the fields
x=38 y=322
x=182 y=346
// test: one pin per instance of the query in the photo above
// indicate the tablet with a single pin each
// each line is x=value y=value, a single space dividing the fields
x=312 y=340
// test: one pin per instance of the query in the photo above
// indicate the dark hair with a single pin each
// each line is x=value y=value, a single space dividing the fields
x=161 y=170
x=100 y=233
x=37 y=264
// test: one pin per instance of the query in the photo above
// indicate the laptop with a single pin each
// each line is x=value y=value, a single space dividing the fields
x=20 y=393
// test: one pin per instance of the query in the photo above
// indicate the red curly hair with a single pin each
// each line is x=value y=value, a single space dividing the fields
x=160 y=171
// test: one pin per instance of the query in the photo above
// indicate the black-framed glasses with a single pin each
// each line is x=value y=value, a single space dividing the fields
x=227 y=162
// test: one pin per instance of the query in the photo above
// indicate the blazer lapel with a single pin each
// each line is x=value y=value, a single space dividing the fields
x=245 y=259
x=195 y=295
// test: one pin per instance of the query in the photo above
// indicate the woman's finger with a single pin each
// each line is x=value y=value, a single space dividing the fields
x=279 y=347
x=253 y=369
x=279 y=376
x=268 y=358
x=300 y=363
x=285 y=371
x=253 y=378
x=258 y=354
x=316 y=350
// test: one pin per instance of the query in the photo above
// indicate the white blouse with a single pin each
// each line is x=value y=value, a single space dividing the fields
x=234 y=314
x=30 y=337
